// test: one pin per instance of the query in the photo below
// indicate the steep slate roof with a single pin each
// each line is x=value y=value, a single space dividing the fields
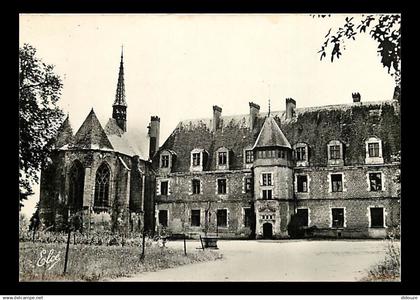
x=64 y=134
x=122 y=142
x=271 y=135
x=91 y=135
x=350 y=123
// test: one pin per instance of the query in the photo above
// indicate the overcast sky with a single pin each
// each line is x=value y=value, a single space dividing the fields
x=178 y=66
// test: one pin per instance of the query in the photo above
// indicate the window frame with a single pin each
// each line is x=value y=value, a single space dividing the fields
x=379 y=159
x=248 y=184
x=383 y=225
x=307 y=215
x=343 y=215
x=226 y=218
x=219 y=187
x=267 y=194
x=166 y=220
x=162 y=183
x=194 y=217
x=195 y=183
x=369 y=174
x=306 y=189
x=269 y=181
x=164 y=160
x=102 y=189
x=249 y=159
x=332 y=182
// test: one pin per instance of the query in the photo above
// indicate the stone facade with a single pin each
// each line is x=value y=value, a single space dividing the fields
x=99 y=175
x=332 y=168
x=333 y=165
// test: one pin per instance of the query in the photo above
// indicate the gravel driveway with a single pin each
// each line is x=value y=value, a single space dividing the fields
x=282 y=260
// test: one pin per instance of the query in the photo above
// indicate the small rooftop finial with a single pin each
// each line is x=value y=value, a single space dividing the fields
x=269 y=106
x=122 y=51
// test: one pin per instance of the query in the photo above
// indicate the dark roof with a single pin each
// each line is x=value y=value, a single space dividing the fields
x=350 y=123
x=64 y=134
x=91 y=135
x=271 y=135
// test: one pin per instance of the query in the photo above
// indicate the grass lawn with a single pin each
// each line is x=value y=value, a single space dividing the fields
x=93 y=263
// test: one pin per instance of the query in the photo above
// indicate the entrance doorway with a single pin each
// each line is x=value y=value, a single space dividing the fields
x=267 y=231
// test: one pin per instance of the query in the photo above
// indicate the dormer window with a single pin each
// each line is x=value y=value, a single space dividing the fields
x=164 y=161
x=301 y=154
x=335 y=153
x=249 y=156
x=374 y=151
x=167 y=158
x=198 y=160
x=222 y=158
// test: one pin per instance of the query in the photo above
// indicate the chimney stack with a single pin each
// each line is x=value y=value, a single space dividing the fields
x=254 y=110
x=154 y=130
x=217 y=113
x=356 y=97
x=290 y=108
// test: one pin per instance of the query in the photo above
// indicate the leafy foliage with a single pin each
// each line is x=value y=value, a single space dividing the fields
x=385 y=29
x=390 y=268
x=39 y=116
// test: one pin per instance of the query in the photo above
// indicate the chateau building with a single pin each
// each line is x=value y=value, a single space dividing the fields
x=332 y=168
x=99 y=174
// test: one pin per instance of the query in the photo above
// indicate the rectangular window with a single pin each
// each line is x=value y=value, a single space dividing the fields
x=337 y=182
x=165 y=161
x=266 y=179
x=163 y=218
x=302 y=183
x=337 y=217
x=248 y=184
x=282 y=154
x=301 y=153
x=164 y=188
x=221 y=218
x=249 y=156
x=221 y=186
x=196 y=159
x=267 y=194
x=375 y=180
x=222 y=158
x=376 y=217
x=247 y=217
x=263 y=153
x=303 y=216
x=195 y=217
x=196 y=186
x=335 y=152
x=373 y=149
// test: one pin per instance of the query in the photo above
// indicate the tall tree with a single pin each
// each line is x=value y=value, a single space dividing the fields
x=385 y=29
x=39 y=116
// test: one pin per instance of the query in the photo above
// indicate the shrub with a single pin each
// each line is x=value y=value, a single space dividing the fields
x=390 y=268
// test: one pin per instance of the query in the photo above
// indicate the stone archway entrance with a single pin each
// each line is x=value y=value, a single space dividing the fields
x=267 y=231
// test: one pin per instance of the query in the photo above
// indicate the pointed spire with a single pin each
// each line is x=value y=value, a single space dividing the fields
x=269 y=107
x=120 y=94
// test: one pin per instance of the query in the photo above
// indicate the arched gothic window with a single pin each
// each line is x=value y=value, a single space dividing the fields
x=76 y=186
x=102 y=186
